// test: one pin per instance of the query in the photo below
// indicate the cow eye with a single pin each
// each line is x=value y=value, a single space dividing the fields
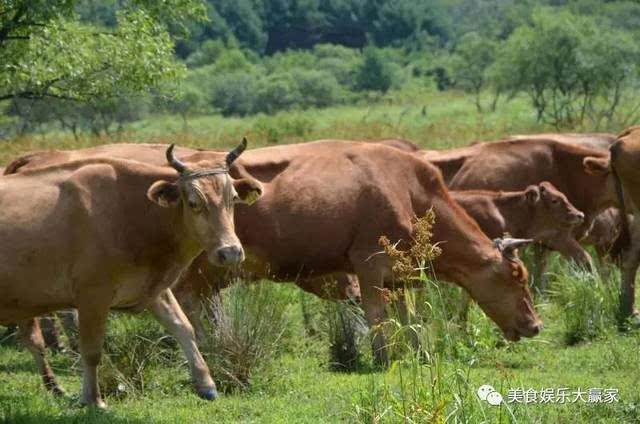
x=194 y=205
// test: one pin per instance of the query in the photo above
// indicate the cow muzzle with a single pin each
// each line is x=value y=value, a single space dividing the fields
x=227 y=256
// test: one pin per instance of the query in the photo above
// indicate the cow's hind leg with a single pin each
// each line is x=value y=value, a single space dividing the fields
x=51 y=334
x=168 y=312
x=373 y=303
x=630 y=263
x=32 y=338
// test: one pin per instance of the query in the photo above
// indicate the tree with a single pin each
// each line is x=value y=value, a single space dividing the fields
x=46 y=51
x=474 y=54
x=373 y=73
x=572 y=67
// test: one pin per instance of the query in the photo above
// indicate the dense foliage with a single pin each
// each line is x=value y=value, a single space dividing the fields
x=576 y=60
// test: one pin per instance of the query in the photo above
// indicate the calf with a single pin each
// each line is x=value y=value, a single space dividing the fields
x=540 y=212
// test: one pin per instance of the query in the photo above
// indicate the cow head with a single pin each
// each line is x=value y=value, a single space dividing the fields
x=207 y=194
x=553 y=206
x=502 y=292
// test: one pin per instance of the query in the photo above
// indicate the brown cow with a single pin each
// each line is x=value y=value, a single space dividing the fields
x=540 y=212
x=580 y=173
x=625 y=163
x=83 y=234
x=597 y=141
x=328 y=202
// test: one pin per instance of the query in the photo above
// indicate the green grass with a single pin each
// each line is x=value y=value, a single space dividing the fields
x=433 y=120
x=298 y=385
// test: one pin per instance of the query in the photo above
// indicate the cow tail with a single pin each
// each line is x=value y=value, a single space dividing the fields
x=623 y=241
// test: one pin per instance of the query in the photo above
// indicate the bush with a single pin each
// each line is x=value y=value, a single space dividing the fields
x=133 y=346
x=589 y=304
x=233 y=94
x=317 y=88
x=247 y=333
x=345 y=326
x=277 y=92
x=374 y=73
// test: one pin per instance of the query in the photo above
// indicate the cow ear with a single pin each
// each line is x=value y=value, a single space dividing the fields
x=532 y=194
x=164 y=193
x=596 y=166
x=509 y=246
x=249 y=190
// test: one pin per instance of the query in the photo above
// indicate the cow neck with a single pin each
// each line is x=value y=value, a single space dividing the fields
x=466 y=250
x=517 y=213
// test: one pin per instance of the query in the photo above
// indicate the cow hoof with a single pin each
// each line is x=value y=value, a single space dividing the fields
x=208 y=394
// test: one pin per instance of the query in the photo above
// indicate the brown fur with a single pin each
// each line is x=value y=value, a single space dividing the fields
x=81 y=233
x=625 y=163
x=326 y=203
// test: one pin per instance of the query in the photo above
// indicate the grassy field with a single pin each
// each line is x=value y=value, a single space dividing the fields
x=293 y=380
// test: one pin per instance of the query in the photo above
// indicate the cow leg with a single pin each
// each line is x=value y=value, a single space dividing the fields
x=630 y=263
x=32 y=337
x=375 y=314
x=51 y=334
x=69 y=320
x=571 y=249
x=168 y=312
x=191 y=305
x=92 y=325
x=540 y=259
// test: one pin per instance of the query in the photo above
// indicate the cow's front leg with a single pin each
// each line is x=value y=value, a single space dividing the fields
x=32 y=337
x=571 y=249
x=541 y=259
x=92 y=317
x=167 y=311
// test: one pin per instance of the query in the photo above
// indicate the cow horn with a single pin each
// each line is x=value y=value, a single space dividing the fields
x=233 y=155
x=175 y=163
x=508 y=246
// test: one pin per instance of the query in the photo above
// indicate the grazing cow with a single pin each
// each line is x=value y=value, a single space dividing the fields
x=625 y=164
x=101 y=233
x=327 y=203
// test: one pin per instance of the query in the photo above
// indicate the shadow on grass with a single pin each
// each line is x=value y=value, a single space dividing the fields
x=22 y=410
x=62 y=364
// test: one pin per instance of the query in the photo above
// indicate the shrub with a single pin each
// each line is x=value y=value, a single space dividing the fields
x=233 y=94
x=276 y=92
x=589 y=304
x=317 y=88
x=247 y=333
x=133 y=346
x=345 y=326
x=374 y=73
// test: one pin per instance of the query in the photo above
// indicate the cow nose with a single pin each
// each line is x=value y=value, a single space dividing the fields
x=579 y=216
x=535 y=329
x=230 y=255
